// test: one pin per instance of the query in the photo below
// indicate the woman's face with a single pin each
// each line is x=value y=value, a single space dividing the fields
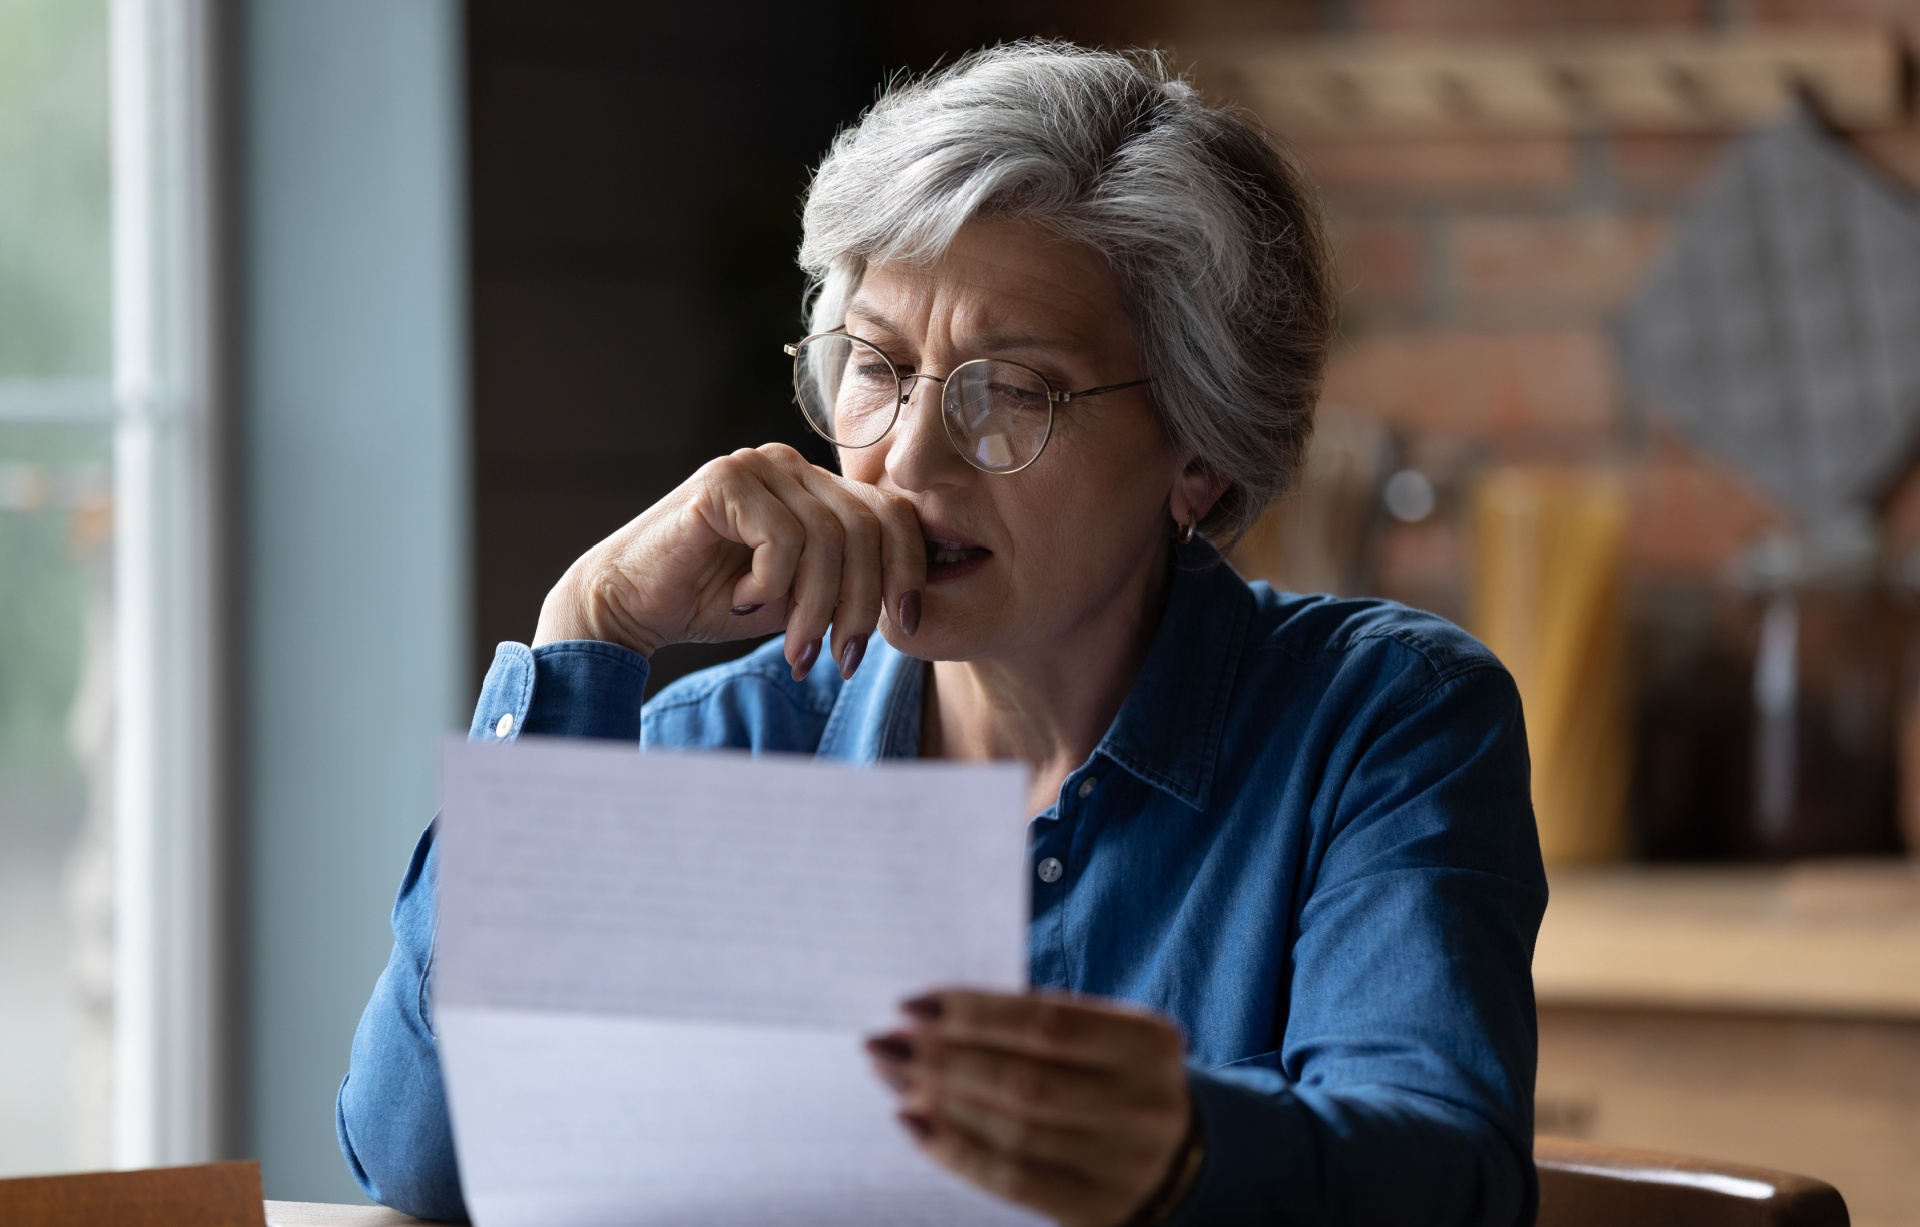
x=1040 y=553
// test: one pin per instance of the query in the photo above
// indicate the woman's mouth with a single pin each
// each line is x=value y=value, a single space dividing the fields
x=952 y=559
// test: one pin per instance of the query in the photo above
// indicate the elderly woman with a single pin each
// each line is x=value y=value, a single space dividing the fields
x=1068 y=326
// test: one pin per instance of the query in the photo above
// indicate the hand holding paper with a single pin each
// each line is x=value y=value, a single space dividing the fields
x=1071 y=1105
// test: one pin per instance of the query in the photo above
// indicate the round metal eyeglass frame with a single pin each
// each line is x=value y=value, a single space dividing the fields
x=947 y=412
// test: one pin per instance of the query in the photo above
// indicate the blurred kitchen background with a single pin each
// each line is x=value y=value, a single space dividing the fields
x=332 y=330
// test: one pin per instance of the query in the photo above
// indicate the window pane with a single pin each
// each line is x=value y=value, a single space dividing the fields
x=55 y=219
x=55 y=760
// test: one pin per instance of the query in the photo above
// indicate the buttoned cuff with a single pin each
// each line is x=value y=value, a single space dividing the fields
x=575 y=688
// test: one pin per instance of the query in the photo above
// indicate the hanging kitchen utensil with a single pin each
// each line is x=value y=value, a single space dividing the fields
x=1781 y=329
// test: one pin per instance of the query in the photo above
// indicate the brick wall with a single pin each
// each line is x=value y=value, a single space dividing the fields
x=1481 y=277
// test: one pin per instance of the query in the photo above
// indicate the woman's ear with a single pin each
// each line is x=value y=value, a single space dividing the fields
x=1195 y=492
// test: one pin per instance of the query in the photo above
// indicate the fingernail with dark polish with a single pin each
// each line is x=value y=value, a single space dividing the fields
x=808 y=655
x=926 y=1009
x=891 y=1047
x=850 y=655
x=910 y=612
x=918 y=1125
x=741 y=611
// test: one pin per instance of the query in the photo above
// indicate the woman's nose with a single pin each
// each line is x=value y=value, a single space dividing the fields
x=919 y=454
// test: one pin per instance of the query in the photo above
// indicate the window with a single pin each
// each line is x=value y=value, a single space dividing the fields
x=56 y=342
x=107 y=746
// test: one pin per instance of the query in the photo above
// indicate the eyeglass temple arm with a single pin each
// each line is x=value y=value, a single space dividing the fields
x=1062 y=398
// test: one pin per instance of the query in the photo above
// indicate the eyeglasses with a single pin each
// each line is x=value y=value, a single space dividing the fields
x=999 y=414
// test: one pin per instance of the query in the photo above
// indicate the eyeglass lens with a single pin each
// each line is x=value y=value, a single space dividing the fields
x=997 y=413
x=846 y=388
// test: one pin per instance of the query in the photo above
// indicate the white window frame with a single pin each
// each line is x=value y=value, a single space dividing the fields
x=171 y=1019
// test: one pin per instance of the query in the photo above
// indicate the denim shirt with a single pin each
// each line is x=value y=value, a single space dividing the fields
x=1307 y=837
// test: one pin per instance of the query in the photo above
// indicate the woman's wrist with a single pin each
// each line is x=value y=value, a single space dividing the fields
x=1182 y=1175
x=574 y=610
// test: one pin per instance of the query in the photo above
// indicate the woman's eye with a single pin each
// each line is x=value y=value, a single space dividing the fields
x=1016 y=396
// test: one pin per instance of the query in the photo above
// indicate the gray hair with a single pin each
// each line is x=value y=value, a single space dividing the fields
x=1212 y=230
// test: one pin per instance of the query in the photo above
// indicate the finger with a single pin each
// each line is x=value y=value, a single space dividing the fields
x=896 y=1075
x=1041 y=1091
x=1058 y=1192
x=739 y=507
x=903 y=556
x=858 y=610
x=1077 y=1030
x=1095 y=1157
x=816 y=582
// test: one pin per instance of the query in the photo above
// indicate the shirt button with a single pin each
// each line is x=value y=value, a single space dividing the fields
x=1086 y=787
x=1051 y=869
x=503 y=726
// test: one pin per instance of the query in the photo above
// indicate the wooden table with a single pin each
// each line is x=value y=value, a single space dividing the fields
x=321 y=1214
x=1828 y=939
x=1764 y=1015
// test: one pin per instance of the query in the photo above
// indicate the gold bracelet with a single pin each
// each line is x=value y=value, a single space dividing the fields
x=1181 y=1177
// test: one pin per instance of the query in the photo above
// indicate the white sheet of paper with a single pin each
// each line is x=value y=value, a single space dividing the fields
x=653 y=973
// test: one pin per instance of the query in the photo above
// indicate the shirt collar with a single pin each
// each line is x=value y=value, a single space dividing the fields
x=1168 y=730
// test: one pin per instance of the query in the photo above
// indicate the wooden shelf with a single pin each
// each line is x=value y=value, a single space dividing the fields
x=1836 y=939
x=1672 y=82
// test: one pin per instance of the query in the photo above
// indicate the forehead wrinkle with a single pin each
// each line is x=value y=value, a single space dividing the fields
x=1002 y=288
x=874 y=316
x=987 y=332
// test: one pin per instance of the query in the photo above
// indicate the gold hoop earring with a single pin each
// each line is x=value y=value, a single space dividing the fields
x=1183 y=533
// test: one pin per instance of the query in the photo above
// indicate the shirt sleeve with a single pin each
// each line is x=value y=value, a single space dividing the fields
x=391 y=1112
x=1403 y=1089
x=575 y=688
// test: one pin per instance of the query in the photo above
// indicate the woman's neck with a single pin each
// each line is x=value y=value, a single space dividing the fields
x=1048 y=705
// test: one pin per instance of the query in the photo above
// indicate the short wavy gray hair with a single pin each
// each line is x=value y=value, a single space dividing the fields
x=1214 y=232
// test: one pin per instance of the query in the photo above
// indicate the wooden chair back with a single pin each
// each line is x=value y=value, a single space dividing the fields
x=205 y=1195
x=1583 y=1184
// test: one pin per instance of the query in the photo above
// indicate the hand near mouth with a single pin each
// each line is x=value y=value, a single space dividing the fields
x=755 y=542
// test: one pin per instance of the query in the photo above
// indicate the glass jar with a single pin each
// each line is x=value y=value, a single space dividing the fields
x=1826 y=638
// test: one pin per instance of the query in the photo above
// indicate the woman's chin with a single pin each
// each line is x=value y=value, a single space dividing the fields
x=962 y=609
x=949 y=630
